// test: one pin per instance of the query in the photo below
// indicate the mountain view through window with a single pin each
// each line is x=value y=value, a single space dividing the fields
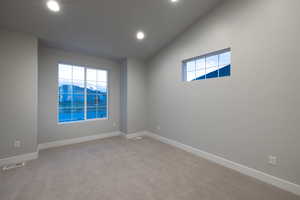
x=82 y=93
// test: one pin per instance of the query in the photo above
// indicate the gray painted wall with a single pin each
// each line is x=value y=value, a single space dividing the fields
x=250 y=115
x=133 y=96
x=123 y=118
x=48 y=128
x=136 y=95
x=18 y=87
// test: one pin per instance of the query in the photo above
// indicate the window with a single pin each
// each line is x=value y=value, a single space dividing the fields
x=213 y=65
x=82 y=93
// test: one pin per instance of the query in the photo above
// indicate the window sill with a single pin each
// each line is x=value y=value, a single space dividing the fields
x=82 y=121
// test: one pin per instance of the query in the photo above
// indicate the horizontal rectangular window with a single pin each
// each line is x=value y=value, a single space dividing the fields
x=82 y=93
x=212 y=65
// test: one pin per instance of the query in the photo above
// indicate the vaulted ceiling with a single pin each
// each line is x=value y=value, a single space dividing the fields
x=104 y=27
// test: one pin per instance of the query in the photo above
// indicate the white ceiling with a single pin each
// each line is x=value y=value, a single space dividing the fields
x=104 y=27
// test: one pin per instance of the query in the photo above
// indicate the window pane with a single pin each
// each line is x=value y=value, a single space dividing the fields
x=77 y=114
x=91 y=87
x=101 y=87
x=190 y=66
x=65 y=87
x=91 y=112
x=65 y=72
x=212 y=66
x=212 y=62
x=200 y=74
x=65 y=101
x=101 y=112
x=225 y=71
x=78 y=73
x=101 y=76
x=71 y=93
x=102 y=100
x=78 y=87
x=212 y=74
x=78 y=100
x=92 y=100
x=225 y=64
x=64 y=115
x=96 y=106
x=200 y=64
x=190 y=76
x=224 y=59
x=91 y=75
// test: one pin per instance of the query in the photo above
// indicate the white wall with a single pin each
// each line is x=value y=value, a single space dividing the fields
x=48 y=128
x=18 y=87
x=250 y=115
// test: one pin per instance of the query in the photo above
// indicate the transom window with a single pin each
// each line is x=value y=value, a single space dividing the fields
x=212 y=65
x=82 y=93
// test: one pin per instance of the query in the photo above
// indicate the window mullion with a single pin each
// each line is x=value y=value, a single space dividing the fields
x=195 y=70
x=85 y=94
x=72 y=94
x=96 y=97
x=205 y=67
x=218 y=65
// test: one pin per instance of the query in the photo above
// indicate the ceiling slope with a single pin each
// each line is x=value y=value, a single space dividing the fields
x=104 y=27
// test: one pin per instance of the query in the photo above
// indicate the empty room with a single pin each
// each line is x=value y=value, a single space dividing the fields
x=149 y=100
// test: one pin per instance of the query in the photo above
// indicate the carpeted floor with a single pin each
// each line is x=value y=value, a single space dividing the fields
x=120 y=169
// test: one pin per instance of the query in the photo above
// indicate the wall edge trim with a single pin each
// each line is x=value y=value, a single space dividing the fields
x=262 y=176
x=19 y=158
x=60 y=143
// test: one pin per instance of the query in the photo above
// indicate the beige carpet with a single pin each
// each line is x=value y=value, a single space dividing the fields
x=120 y=169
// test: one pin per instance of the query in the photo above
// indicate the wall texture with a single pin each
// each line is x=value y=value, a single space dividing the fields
x=123 y=80
x=250 y=115
x=48 y=128
x=133 y=96
x=136 y=95
x=18 y=87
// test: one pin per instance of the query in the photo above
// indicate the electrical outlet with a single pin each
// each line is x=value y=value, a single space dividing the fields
x=17 y=144
x=272 y=160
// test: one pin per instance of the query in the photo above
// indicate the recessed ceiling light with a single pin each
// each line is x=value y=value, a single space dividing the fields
x=140 y=35
x=174 y=1
x=53 y=6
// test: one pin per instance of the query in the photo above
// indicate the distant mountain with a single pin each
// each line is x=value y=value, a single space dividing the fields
x=74 y=95
x=68 y=88
x=224 y=71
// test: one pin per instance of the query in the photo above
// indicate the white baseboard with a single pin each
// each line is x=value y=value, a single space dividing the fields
x=137 y=134
x=278 y=182
x=35 y=155
x=19 y=159
x=60 y=143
